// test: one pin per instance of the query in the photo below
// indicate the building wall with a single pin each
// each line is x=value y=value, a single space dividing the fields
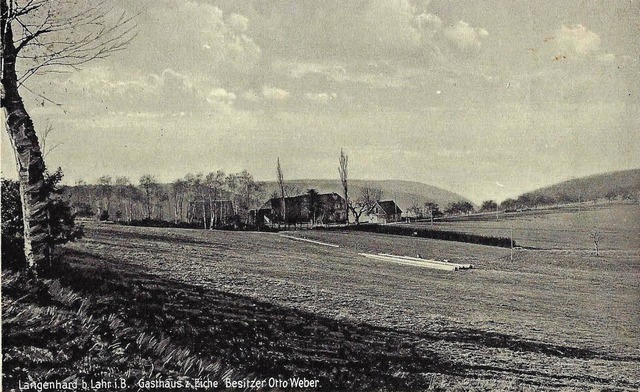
x=331 y=208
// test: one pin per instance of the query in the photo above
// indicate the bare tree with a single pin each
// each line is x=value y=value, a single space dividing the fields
x=343 y=170
x=365 y=202
x=149 y=184
x=315 y=205
x=282 y=193
x=232 y=185
x=214 y=183
x=121 y=190
x=292 y=189
x=41 y=34
x=196 y=189
x=178 y=188
x=248 y=196
x=596 y=236
x=433 y=210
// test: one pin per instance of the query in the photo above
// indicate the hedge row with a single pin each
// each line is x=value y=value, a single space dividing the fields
x=430 y=233
x=160 y=223
x=187 y=225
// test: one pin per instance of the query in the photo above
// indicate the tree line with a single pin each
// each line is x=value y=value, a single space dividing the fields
x=207 y=200
x=537 y=199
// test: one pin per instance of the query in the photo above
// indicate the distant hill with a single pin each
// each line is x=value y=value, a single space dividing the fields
x=405 y=193
x=615 y=185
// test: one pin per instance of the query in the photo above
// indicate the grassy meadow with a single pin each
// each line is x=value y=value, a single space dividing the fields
x=565 y=228
x=145 y=303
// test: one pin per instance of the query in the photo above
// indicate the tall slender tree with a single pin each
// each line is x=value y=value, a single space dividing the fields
x=252 y=192
x=343 y=170
x=314 y=204
x=214 y=183
x=47 y=33
x=121 y=187
x=105 y=191
x=282 y=193
x=178 y=188
x=148 y=184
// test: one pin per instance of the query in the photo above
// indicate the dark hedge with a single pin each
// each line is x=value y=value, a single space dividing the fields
x=429 y=233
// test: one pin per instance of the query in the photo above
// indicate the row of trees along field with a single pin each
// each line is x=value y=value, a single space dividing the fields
x=524 y=201
x=537 y=199
x=431 y=209
x=204 y=200
x=622 y=186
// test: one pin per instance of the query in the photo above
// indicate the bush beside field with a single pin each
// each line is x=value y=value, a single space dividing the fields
x=429 y=233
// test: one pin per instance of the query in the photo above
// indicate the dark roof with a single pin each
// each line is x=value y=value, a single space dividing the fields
x=321 y=196
x=389 y=207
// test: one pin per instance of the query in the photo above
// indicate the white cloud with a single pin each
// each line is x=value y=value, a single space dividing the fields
x=299 y=69
x=575 y=43
x=577 y=39
x=167 y=92
x=250 y=96
x=274 y=93
x=465 y=37
x=238 y=22
x=322 y=98
x=209 y=40
x=429 y=23
x=606 y=58
x=393 y=28
x=221 y=95
x=390 y=23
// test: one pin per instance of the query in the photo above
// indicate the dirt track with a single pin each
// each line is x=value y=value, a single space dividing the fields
x=551 y=319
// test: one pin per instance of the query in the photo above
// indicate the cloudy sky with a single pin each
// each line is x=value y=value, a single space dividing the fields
x=485 y=98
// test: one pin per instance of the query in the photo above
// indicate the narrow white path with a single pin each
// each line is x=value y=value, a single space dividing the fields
x=307 y=240
x=460 y=266
x=404 y=261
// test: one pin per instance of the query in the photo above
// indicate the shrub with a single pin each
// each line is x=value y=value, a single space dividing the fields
x=62 y=220
x=12 y=226
x=104 y=216
x=83 y=210
x=430 y=233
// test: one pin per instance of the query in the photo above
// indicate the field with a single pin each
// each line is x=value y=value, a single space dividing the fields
x=191 y=303
x=563 y=228
x=547 y=319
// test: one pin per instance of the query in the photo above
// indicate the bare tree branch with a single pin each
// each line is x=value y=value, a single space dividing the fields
x=44 y=137
x=67 y=33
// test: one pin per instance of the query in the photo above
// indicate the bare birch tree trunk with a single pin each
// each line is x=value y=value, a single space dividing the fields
x=204 y=210
x=175 y=208
x=212 y=209
x=282 y=193
x=344 y=174
x=29 y=160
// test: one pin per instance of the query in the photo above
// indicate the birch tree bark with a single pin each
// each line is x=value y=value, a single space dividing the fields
x=29 y=161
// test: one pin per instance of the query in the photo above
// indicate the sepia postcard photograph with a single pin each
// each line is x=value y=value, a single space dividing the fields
x=328 y=195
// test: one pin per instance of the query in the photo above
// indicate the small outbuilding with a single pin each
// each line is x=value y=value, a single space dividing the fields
x=385 y=211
